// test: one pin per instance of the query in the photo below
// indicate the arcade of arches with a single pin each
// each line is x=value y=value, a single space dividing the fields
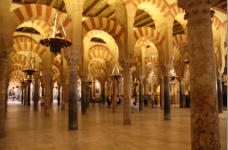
x=139 y=70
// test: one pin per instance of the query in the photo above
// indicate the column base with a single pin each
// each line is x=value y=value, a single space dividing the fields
x=127 y=122
x=72 y=128
x=167 y=117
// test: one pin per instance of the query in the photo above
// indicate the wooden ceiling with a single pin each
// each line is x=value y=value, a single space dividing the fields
x=27 y=30
x=221 y=5
x=58 y=4
x=143 y=19
x=91 y=8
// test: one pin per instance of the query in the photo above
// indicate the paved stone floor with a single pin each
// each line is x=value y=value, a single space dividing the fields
x=99 y=129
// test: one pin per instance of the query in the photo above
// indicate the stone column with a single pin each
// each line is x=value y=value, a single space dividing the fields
x=219 y=91
x=22 y=93
x=58 y=97
x=83 y=95
x=47 y=83
x=73 y=99
x=36 y=95
x=166 y=97
x=74 y=57
x=140 y=96
x=182 y=94
x=127 y=96
x=26 y=94
x=161 y=80
x=114 y=95
x=103 y=93
x=204 y=104
x=29 y=92
x=63 y=95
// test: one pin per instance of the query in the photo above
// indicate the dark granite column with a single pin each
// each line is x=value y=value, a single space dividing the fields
x=29 y=93
x=182 y=94
x=140 y=96
x=83 y=96
x=73 y=99
x=58 y=97
x=114 y=95
x=36 y=95
x=220 y=100
x=204 y=104
x=103 y=93
x=22 y=93
x=166 y=98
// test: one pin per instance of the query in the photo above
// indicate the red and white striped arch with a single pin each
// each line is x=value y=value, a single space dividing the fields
x=23 y=43
x=17 y=75
x=162 y=4
x=148 y=33
x=18 y=62
x=175 y=10
x=179 y=39
x=107 y=25
x=37 y=11
x=100 y=51
x=216 y=22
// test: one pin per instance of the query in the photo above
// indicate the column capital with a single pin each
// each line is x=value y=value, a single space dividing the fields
x=165 y=69
x=197 y=10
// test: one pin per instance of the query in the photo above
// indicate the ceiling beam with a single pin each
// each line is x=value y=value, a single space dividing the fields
x=90 y=7
x=110 y=14
x=101 y=10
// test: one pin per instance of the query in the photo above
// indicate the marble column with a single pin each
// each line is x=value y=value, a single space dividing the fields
x=220 y=99
x=73 y=99
x=36 y=95
x=166 y=98
x=59 y=92
x=182 y=94
x=3 y=73
x=47 y=79
x=161 y=80
x=63 y=95
x=140 y=96
x=204 y=104
x=114 y=95
x=127 y=96
x=74 y=61
x=22 y=93
x=103 y=93
x=29 y=93
x=83 y=96
x=25 y=94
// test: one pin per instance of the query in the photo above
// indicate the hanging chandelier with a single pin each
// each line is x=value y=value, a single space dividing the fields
x=115 y=73
x=57 y=41
x=30 y=69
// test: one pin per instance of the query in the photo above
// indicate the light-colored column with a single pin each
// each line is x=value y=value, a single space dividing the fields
x=47 y=83
x=127 y=96
x=204 y=105
x=73 y=61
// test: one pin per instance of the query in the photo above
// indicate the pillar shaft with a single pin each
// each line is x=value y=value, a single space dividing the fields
x=182 y=94
x=140 y=96
x=162 y=93
x=36 y=95
x=83 y=97
x=103 y=93
x=58 y=97
x=220 y=100
x=127 y=96
x=203 y=96
x=73 y=100
x=166 y=98
x=114 y=95
x=29 y=93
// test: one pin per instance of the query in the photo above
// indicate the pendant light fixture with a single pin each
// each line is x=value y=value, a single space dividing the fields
x=57 y=41
x=30 y=68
